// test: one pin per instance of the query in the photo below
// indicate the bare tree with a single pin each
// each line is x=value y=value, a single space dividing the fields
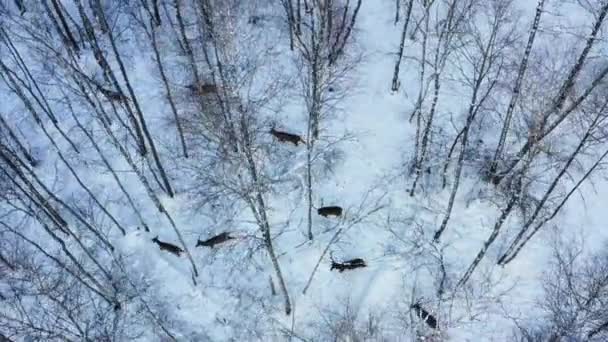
x=523 y=67
x=449 y=31
x=61 y=24
x=322 y=51
x=132 y=96
x=487 y=69
x=150 y=31
x=233 y=130
x=408 y=12
x=574 y=292
x=553 y=116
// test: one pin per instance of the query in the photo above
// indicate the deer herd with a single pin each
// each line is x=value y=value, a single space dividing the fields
x=326 y=211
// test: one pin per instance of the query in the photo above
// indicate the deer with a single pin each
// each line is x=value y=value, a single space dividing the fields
x=289 y=137
x=113 y=95
x=255 y=19
x=171 y=248
x=429 y=319
x=110 y=94
x=330 y=211
x=347 y=265
x=216 y=240
x=203 y=89
x=206 y=89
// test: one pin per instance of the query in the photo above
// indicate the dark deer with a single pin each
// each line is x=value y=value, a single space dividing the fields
x=284 y=136
x=347 y=265
x=429 y=319
x=255 y=19
x=203 y=89
x=206 y=89
x=216 y=240
x=171 y=248
x=330 y=211
x=113 y=95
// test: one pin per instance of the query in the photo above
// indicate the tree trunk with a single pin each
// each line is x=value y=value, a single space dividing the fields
x=395 y=83
x=156 y=10
x=14 y=138
x=474 y=106
x=109 y=74
x=17 y=85
x=512 y=249
x=163 y=77
x=523 y=66
x=503 y=216
x=565 y=89
x=140 y=114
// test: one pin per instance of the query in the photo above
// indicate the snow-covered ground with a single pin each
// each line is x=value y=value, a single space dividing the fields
x=232 y=298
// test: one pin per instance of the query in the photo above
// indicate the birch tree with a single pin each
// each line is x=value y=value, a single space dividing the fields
x=321 y=38
x=488 y=57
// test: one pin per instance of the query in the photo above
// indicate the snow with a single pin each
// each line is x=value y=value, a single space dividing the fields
x=233 y=285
